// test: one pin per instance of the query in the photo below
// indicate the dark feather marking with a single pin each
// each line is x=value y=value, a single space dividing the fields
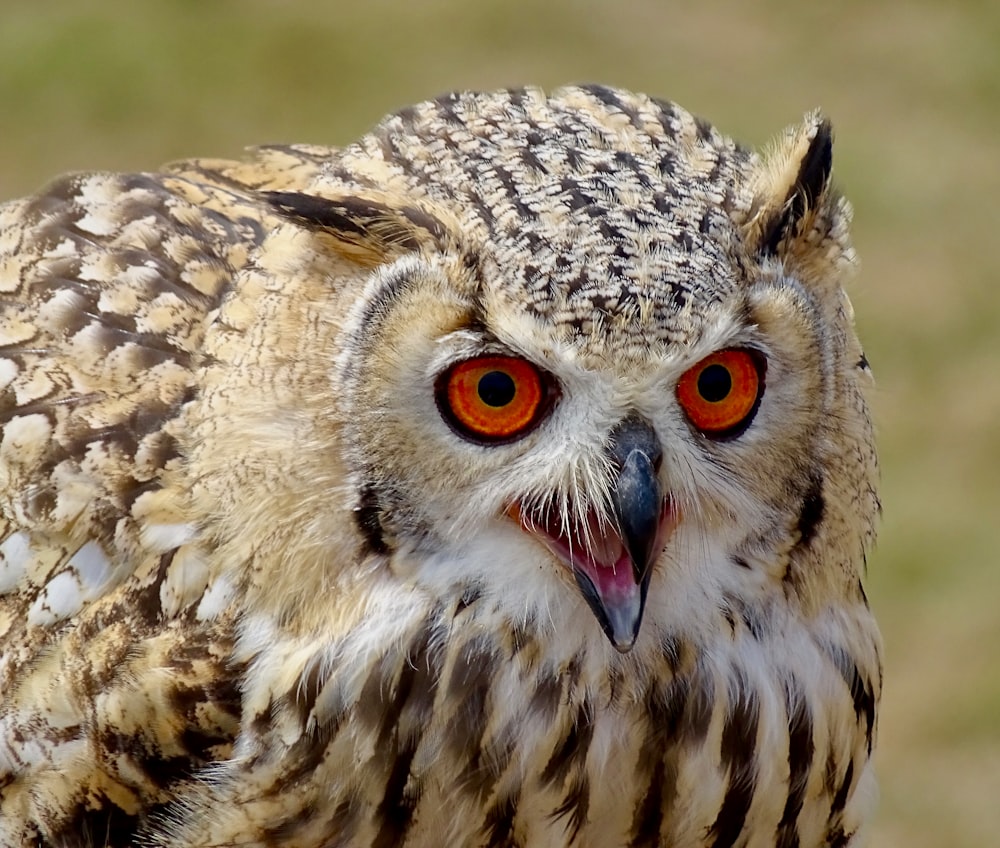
x=470 y=596
x=406 y=714
x=358 y=216
x=837 y=838
x=493 y=759
x=319 y=212
x=750 y=614
x=738 y=753
x=830 y=773
x=530 y=158
x=108 y=826
x=469 y=687
x=380 y=698
x=498 y=826
x=812 y=511
x=576 y=804
x=775 y=232
x=146 y=603
x=647 y=818
x=367 y=517
x=667 y=117
x=862 y=594
x=413 y=702
x=424 y=221
x=754 y=620
x=547 y=694
x=512 y=194
x=843 y=792
x=800 y=757
x=616 y=679
x=862 y=691
x=703 y=128
x=395 y=811
x=487 y=762
x=609 y=98
x=665 y=708
x=673 y=651
x=863 y=696
x=149 y=349
x=39 y=502
x=168 y=280
x=46 y=407
x=727 y=614
x=572 y=749
x=835 y=834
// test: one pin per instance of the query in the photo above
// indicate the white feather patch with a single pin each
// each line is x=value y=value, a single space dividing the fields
x=165 y=537
x=84 y=578
x=15 y=554
x=215 y=600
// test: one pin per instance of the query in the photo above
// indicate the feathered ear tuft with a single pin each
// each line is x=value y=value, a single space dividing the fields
x=796 y=214
x=367 y=230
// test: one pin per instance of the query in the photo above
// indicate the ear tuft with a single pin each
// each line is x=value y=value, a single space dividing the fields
x=796 y=215
x=367 y=230
x=790 y=184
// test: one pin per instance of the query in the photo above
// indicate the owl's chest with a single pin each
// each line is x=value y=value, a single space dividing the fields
x=450 y=724
x=734 y=748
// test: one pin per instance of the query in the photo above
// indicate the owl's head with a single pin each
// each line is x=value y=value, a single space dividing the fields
x=601 y=359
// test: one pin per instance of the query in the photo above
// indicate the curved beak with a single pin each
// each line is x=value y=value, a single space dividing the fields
x=617 y=599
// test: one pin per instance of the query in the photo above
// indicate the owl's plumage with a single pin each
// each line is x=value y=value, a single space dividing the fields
x=265 y=579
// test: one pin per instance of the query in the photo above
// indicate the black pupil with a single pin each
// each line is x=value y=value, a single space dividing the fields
x=715 y=383
x=496 y=388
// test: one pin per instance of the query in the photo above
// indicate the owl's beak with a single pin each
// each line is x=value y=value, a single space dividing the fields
x=644 y=521
x=612 y=567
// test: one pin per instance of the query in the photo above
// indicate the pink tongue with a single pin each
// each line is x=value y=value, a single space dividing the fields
x=614 y=582
x=605 y=562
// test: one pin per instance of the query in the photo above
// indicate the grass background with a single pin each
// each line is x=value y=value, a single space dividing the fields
x=914 y=92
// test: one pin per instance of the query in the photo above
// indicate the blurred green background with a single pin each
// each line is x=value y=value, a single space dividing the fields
x=914 y=92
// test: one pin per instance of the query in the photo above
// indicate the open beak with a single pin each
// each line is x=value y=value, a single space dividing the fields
x=613 y=570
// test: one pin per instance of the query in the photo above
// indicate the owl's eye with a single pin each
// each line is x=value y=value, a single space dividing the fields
x=492 y=398
x=720 y=394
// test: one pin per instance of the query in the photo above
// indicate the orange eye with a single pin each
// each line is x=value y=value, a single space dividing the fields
x=492 y=398
x=720 y=394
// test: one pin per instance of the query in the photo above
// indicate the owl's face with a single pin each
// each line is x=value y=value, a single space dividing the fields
x=599 y=364
x=557 y=469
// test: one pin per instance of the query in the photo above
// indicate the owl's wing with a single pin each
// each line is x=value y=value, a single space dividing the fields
x=113 y=649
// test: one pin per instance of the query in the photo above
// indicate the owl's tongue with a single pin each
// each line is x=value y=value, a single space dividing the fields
x=605 y=562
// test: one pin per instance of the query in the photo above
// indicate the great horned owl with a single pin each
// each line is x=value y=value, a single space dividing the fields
x=502 y=479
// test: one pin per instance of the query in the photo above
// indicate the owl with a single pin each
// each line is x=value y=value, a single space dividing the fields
x=504 y=479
